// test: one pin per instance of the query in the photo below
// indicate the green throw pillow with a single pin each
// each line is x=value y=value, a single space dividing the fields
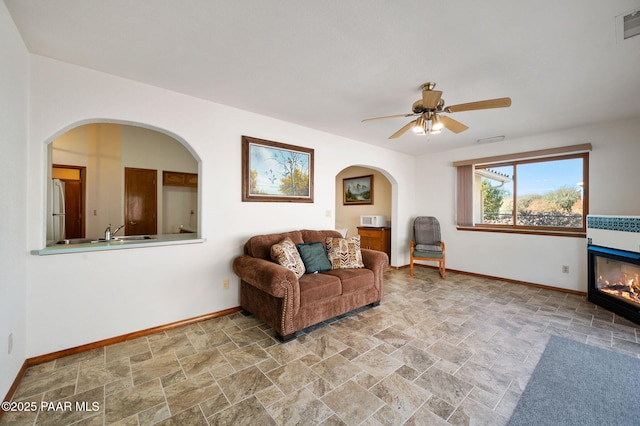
x=314 y=257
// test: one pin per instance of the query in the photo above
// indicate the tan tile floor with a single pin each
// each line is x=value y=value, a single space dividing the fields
x=456 y=351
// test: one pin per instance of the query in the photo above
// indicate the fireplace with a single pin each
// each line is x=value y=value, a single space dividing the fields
x=614 y=264
x=614 y=281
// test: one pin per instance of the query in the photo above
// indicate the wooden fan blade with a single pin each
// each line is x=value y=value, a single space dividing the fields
x=488 y=104
x=454 y=125
x=402 y=130
x=430 y=98
x=387 y=116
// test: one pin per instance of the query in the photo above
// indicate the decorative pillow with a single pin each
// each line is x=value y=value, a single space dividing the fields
x=344 y=252
x=286 y=254
x=314 y=257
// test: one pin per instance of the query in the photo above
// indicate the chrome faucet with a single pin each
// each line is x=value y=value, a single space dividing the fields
x=108 y=234
x=113 y=234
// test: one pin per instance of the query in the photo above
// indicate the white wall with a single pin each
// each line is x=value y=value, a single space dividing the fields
x=74 y=299
x=179 y=209
x=613 y=184
x=14 y=74
x=147 y=149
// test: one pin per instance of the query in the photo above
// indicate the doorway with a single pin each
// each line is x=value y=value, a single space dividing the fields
x=141 y=201
x=74 y=198
x=347 y=216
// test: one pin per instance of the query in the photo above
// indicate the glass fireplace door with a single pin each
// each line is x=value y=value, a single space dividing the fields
x=614 y=281
x=619 y=279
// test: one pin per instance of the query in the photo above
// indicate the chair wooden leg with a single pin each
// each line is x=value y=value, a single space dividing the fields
x=411 y=267
x=442 y=269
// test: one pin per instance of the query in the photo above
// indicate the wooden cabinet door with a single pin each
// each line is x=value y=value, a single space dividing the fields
x=173 y=178
x=375 y=239
x=140 y=199
x=368 y=239
x=73 y=221
x=191 y=179
x=179 y=179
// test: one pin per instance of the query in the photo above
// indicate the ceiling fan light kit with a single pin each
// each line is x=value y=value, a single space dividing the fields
x=419 y=127
x=436 y=123
x=429 y=108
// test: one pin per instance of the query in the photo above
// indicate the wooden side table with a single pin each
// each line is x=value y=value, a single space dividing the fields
x=375 y=239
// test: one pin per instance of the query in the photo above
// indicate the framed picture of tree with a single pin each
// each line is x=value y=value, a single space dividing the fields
x=276 y=172
x=358 y=190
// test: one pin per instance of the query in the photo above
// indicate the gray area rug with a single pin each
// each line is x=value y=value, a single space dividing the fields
x=578 y=384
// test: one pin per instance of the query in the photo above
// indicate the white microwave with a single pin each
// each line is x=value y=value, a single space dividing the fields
x=373 y=221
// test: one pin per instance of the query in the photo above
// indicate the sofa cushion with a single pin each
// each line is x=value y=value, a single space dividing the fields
x=287 y=255
x=353 y=280
x=316 y=288
x=260 y=245
x=313 y=235
x=344 y=252
x=314 y=257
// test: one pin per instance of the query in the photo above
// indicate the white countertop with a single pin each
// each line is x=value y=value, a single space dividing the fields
x=159 y=240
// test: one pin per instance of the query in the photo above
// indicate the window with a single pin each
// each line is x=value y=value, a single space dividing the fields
x=527 y=192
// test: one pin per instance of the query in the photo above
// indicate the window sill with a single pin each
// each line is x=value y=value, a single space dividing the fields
x=573 y=234
x=160 y=240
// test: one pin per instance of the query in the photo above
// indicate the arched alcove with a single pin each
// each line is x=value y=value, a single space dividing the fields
x=105 y=159
x=347 y=216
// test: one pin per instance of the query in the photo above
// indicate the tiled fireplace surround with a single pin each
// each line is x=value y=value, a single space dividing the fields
x=613 y=244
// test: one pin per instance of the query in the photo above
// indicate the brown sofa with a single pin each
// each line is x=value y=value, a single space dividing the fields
x=274 y=294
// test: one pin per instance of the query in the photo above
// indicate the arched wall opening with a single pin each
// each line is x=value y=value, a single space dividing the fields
x=109 y=150
x=383 y=202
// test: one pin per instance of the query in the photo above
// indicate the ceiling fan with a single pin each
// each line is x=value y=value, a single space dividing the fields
x=429 y=110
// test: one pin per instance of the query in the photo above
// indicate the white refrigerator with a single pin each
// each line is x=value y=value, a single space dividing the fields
x=55 y=226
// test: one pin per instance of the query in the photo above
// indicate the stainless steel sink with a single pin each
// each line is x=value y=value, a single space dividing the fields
x=133 y=238
x=76 y=241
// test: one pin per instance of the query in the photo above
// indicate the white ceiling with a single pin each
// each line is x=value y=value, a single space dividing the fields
x=329 y=64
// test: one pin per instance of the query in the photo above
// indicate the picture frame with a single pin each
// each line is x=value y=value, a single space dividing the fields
x=276 y=172
x=357 y=190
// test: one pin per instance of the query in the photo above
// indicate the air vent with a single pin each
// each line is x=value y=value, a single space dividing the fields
x=628 y=25
x=491 y=139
